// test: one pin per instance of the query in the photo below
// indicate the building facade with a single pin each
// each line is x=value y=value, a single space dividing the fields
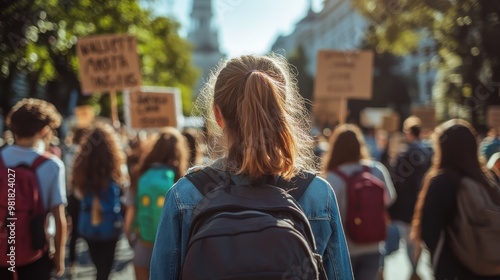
x=339 y=26
x=203 y=36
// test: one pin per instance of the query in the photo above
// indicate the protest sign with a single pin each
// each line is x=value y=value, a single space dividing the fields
x=152 y=108
x=374 y=117
x=328 y=110
x=108 y=63
x=391 y=123
x=344 y=75
x=427 y=116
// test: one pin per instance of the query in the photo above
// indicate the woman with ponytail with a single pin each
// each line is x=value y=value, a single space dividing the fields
x=253 y=107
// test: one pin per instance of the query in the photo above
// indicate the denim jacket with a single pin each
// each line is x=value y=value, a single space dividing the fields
x=319 y=205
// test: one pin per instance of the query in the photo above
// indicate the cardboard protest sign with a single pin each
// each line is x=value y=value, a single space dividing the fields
x=373 y=117
x=493 y=117
x=344 y=74
x=327 y=111
x=427 y=115
x=85 y=115
x=152 y=108
x=108 y=63
x=391 y=123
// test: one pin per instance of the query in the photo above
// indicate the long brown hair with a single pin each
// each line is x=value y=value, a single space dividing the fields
x=347 y=145
x=455 y=149
x=170 y=148
x=98 y=161
x=266 y=124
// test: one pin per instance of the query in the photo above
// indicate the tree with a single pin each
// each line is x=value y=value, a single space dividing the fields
x=39 y=39
x=467 y=45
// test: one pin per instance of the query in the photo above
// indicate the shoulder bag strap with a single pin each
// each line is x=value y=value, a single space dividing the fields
x=36 y=191
x=341 y=174
x=205 y=176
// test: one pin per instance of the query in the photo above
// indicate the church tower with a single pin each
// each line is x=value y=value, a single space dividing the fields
x=203 y=36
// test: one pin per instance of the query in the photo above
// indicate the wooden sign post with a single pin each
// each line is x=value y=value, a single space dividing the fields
x=109 y=63
x=343 y=75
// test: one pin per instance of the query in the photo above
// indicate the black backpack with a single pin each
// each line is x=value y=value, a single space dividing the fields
x=256 y=231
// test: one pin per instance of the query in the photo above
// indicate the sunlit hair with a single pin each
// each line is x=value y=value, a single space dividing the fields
x=266 y=124
x=347 y=145
x=455 y=149
x=98 y=161
x=195 y=153
x=170 y=149
x=29 y=116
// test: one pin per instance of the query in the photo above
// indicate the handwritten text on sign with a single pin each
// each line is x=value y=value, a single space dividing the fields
x=344 y=74
x=108 y=63
x=152 y=110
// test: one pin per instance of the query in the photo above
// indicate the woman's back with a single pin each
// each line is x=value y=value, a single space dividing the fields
x=253 y=105
x=318 y=203
x=340 y=188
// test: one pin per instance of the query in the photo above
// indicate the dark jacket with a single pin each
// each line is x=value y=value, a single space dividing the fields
x=438 y=211
x=407 y=174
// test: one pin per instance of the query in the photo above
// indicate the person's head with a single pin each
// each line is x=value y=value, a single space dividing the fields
x=255 y=100
x=455 y=149
x=79 y=134
x=98 y=161
x=191 y=136
x=170 y=149
x=347 y=145
x=412 y=127
x=33 y=118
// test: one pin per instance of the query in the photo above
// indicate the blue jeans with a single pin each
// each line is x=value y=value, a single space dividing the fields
x=365 y=267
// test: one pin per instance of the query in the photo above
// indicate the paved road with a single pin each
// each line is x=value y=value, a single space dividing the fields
x=397 y=265
x=85 y=270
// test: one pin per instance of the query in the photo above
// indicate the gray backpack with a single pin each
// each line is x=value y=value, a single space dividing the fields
x=475 y=232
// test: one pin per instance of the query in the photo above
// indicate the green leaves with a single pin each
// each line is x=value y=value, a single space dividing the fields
x=40 y=38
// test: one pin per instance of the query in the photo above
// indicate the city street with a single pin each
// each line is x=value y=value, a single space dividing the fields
x=397 y=264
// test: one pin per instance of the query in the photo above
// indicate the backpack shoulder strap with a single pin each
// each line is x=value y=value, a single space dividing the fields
x=203 y=176
x=39 y=160
x=341 y=174
x=36 y=191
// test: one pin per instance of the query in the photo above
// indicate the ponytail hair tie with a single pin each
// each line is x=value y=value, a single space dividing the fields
x=248 y=74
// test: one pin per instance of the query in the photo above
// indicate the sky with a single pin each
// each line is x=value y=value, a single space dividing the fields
x=245 y=26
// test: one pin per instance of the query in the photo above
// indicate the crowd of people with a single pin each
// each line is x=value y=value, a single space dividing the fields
x=163 y=193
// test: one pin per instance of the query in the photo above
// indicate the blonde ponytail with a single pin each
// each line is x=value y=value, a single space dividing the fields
x=269 y=147
x=266 y=124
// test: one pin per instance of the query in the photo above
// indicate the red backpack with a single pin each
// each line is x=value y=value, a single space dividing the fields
x=22 y=216
x=366 y=220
